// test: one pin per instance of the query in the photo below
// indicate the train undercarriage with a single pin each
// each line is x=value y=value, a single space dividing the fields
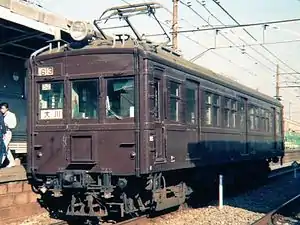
x=77 y=195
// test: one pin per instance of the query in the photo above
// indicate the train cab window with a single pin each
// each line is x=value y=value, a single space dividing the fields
x=208 y=108
x=191 y=103
x=51 y=100
x=120 y=98
x=174 y=98
x=85 y=99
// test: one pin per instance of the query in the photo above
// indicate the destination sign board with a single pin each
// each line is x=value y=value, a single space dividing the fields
x=51 y=114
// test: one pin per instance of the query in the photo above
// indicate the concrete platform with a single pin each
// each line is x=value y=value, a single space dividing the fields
x=16 y=173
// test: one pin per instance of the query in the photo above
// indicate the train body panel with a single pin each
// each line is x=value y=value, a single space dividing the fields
x=123 y=125
x=104 y=140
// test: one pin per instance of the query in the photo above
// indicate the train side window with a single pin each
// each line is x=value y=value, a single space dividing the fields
x=208 y=108
x=257 y=117
x=242 y=113
x=233 y=113
x=262 y=119
x=120 y=98
x=174 y=99
x=252 y=116
x=278 y=123
x=216 y=110
x=156 y=99
x=267 y=121
x=227 y=110
x=85 y=99
x=271 y=118
x=51 y=100
x=191 y=103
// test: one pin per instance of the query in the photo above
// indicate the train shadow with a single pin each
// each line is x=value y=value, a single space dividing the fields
x=245 y=177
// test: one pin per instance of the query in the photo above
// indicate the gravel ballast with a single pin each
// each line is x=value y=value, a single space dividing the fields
x=243 y=209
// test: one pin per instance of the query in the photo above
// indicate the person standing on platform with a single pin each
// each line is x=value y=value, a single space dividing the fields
x=2 y=133
x=10 y=123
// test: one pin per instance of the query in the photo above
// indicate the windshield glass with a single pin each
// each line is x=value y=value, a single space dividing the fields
x=51 y=100
x=85 y=99
x=120 y=98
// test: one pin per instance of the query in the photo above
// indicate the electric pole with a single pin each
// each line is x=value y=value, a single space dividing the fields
x=175 y=25
x=277 y=83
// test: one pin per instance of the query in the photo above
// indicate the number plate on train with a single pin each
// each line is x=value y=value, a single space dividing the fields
x=46 y=71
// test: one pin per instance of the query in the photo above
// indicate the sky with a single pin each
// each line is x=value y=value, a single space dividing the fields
x=249 y=60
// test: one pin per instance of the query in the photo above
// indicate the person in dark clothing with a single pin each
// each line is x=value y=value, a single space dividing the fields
x=2 y=132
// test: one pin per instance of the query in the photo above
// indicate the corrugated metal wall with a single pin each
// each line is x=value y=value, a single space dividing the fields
x=12 y=90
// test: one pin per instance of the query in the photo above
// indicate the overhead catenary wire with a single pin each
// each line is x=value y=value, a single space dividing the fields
x=248 y=55
x=265 y=48
x=246 y=44
x=238 y=26
x=261 y=45
x=189 y=6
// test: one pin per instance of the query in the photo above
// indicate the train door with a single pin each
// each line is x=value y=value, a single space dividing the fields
x=158 y=115
x=244 y=125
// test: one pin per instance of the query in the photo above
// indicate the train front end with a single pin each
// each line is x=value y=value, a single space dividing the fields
x=83 y=126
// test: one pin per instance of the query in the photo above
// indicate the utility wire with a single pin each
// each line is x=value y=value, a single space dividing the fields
x=199 y=44
x=215 y=53
x=246 y=44
x=266 y=43
x=248 y=55
x=265 y=48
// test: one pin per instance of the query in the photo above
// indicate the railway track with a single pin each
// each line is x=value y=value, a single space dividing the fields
x=142 y=220
x=286 y=214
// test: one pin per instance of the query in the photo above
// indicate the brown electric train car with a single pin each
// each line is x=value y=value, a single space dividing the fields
x=122 y=125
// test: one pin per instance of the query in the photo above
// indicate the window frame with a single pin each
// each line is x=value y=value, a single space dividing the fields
x=278 y=122
x=76 y=79
x=212 y=106
x=227 y=109
x=106 y=119
x=38 y=84
x=207 y=104
x=192 y=85
x=234 y=111
x=178 y=100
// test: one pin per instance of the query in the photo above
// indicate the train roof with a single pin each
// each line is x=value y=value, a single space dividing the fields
x=90 y=39
x=165 y=53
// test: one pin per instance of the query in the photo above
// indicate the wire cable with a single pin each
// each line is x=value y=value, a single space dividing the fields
x=265 y=48
x=248 y=55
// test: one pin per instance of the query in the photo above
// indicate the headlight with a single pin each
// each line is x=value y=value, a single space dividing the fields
x=81 y=30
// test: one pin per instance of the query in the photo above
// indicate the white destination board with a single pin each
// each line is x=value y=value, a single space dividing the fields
x=45 y=71
x=51 y=114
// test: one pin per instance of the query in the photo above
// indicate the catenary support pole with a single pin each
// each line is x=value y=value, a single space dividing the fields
x=220 y=191
x=175 y=25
